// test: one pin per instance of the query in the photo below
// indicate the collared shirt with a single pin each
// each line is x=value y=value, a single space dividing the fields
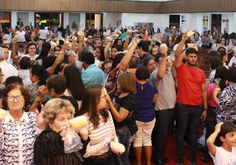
x=92 y=75
x=17 y=139
x=142 y=59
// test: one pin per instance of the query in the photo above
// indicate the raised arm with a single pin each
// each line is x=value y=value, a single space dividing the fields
x=126 y=41
x=162 y=68
x=80 y=45
x=178 y=58
x=124 y=63
x=106 y=53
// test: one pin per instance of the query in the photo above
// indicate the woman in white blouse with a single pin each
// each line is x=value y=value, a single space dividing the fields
x=18 y=129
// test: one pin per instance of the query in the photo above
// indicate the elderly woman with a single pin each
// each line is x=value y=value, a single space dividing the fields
x=49 y=145
x=18 y=129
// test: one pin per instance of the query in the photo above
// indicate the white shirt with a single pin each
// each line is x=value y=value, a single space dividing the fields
x=8 y=70
x=232 y=60
x=43 y=34
x=27 y=55
x=223 y=157
x=7 y=37
x=21 y=36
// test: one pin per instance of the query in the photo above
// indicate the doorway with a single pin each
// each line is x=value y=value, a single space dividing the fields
x=53 y=19
x=216 y=22
x=94 y=19
x=174 y=21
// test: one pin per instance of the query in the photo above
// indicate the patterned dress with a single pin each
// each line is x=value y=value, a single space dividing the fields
x=17 y=139
x=227 y=111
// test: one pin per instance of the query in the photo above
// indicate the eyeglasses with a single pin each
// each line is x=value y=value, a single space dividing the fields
x=151 y=64
x=12 y=98
x=32 y=48
x=90 y=38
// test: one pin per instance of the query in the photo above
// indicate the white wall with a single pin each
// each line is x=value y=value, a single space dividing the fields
x=234 y=23
x=13 y=19
x=191 y=21
x=31 y=18
x=65 y=19
x=112 y=18
x=24 y=17
x=74 y=17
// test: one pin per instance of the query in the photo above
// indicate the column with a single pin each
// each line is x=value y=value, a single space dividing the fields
x=65 y=19
x=191 y=21
x=31 y=18
x=83 y=20
x=13 y=19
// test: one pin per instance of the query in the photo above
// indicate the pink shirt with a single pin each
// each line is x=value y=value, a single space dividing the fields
x=210 y=89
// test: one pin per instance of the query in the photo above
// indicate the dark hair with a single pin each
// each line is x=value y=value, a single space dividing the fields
x=117 y=60
x=146 y=61
x=221 y=48
x=88 y=58
x=104 y=63
x=59 y=46
x=215 y=62
x=4 y=46
x=157 y=57
x=11 y=87
x=74 y=82
x=89 y=34
x=57 y=82
x=59 y=67
x=133 y=63
x=90 y=97
x=118 y=47
x=231 y=75
x=13 y=80
x=221 y=72
x=116 y=40
x=227 y=127
x=152 y=50
x=39 y=71
x=21 y=46
x=30 y=44
x=32 y=63
x=220 y=54
x=6 y=30
x=190 y=51
x=127 y=82
x=102 y=57
x=43 y=53
x=142 y=73
x=49 y=61
x=144 y=45
x=46 y=45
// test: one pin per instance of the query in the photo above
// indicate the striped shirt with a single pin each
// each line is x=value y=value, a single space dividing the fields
x=97 y=144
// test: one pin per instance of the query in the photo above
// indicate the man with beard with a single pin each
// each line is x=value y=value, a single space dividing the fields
x=192 y=96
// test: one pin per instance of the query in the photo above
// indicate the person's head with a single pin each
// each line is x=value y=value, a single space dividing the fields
x=214 y=62
x=32 y=63
x=158 y=30
x=100 y=53
x=56 y=85
x=106 y=66
x=15 y=98
x=223 y=41
x=154 y=50
x=6 y=30
x=87 y=59
x=133 y=63
x=221 y=54
x=142 y=73
x=40 y=44
x=87 y=49
x=150 y=64
x=57 y=112
x=206 y=33
x=215 y=41
x=57 y=48
x=94 y=103
x=31 y=48
x=118 y=41
x=90 y=38
x=114 y=49
x=47 y=45
x=21 y=48
x=14 y=80
x=143 y=48
x=21 y=28
x=117 y=60
x=74 y=81
x=16 y=60
x=49 y=61
x=126 y=82
x=221 y=72
x=38 y=74
x=6 y=43
x=191 y=54
x=231 y=75
x=195 y=35
x=96 y=42
x=60 y=68
x=6 y=52
x=228 y=134
x=158 y=58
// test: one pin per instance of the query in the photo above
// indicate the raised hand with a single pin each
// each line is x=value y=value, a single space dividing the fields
x=39 y=118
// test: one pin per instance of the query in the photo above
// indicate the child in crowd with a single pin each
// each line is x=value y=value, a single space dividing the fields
x=226 y=154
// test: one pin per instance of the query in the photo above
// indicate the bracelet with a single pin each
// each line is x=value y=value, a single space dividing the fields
x=80 y=40
x=206 y=110
x=36 y=100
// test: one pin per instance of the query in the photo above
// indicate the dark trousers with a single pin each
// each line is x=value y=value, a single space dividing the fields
x=108 y=160
x=164 y=120
x=187 y=115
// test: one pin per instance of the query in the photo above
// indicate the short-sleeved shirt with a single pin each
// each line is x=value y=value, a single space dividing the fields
x=92 y=75
x=43 y=34
x=21 y=36
x=142 y=59
x=129 y=103
x=145 y=108
x=210 y=89
x=223 y=157
x=190 y=82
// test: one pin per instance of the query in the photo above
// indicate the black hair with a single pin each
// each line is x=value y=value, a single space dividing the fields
x=142 y=73
x=89 y=34
x=157 y=57
x=118 y=47
x=220 y=54
x=59 y=67
x=30 y=44
x=190 y=51
x=144 y=45
x=6 y=30
x=47 y=45
x=88 y=58
x=221 y=72
x=61 y=42
x=117 y=60
x=116 y=40
x=49 y=61
x=21 y=46
x=74 y=81
x=227 y=127
x=43 y=53
x=59 y=46
x=24 y=62
x=39 y=71
x=102 y=57
x=215 y=62
x=231 y=75
x=13 y=80
x=146 y=61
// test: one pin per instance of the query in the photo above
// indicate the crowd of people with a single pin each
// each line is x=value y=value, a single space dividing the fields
x=132 y=85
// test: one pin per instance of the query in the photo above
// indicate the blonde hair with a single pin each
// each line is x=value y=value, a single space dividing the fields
x=54 y=107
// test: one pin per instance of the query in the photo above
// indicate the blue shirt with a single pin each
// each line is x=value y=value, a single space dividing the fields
x=92 y=75
x=145 y=108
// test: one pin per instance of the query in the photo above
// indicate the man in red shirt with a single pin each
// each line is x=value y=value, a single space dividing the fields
x=144 y=35
x=192 y=96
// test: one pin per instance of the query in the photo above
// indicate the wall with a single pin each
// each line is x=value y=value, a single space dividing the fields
x=24 y=17
x=111 y=18
x=74 y=17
